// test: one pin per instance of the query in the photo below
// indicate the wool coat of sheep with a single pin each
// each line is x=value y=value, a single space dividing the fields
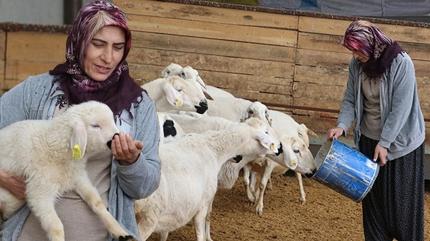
x=37 y=98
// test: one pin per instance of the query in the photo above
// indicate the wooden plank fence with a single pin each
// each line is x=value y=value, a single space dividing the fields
x=291 y=62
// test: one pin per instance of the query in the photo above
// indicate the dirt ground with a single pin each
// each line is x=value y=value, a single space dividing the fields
x=325 y=216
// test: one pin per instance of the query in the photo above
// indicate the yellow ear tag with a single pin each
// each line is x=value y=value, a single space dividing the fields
x=178 y=103
x=76 y=152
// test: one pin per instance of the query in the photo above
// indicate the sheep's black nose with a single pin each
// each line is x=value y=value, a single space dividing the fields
x=169 y=128
x=109 y=143
x=202 y=107
x=309 y=175
x=237 y=158
x=280 y=150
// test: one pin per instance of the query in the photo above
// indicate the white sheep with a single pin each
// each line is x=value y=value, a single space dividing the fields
x=189 y=177
x=175 y=93
x=187 y=73
x=51 y=155
x=297 y=136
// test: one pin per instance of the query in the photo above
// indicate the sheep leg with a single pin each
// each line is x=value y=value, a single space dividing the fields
x=269 y=166
x=90 y=195
x=147 y=219
x=43 y=207
x=269 y=184
x=246 y=179
x=163 y=236
x=208 y=222
x=302 y=190
x=200 y=223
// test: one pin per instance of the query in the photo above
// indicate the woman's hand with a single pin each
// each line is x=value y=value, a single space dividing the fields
x=125 y=149
x=381 y=154
x=15 y=185
x=334 y=133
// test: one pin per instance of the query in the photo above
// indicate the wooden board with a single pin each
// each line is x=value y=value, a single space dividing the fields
x=36 y=46
x=31 y=53
x=324 y=42
x=208 y=14
x=250 y=34
x=17 y=71
x=212 y=63
x=2 y=58
x=322 y=58
x=197 y=45
x=338 y=27
x=321 y=75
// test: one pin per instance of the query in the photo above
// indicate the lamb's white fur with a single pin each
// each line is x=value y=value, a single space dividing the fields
x=189 y=177
x=190 y=122
x=176 y=93
x=297 y=135
x=41 y=151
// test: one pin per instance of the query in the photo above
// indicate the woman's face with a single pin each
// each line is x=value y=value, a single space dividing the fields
x=104 y=53
x=360 y=56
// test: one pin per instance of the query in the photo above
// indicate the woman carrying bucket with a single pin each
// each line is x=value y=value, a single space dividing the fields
x=381 y=98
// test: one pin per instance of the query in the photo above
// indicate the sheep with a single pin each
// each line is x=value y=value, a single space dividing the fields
x=237 y=109
x=297 y=136
x=187 y=73
x=189 y=177
x=175 y=93
x=170 y=129
x=51 y=155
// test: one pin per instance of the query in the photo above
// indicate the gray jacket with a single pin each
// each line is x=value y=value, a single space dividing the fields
x=403 y=127
x=36 y=98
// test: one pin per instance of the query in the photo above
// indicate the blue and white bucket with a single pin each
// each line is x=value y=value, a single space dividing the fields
x=345 y=170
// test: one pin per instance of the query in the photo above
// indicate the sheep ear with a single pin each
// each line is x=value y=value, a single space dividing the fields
x=173 y=96
x=267 y=142
x=205 y=90
x=207 y=95
x=78 y=140
x=290 y=158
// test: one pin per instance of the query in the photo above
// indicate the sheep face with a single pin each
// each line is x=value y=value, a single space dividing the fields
x=267 y=138
x=185 y=95
x=93 y=128
x=297 y=156
x=258 y=110
x=171 y=70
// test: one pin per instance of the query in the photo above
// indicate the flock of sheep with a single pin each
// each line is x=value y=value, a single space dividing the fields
x=208 y=136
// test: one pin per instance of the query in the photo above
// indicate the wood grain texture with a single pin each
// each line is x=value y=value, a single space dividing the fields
x=250 y=34
x=208 y=14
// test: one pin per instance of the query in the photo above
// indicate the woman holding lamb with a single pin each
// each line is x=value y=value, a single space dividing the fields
x=95 y=69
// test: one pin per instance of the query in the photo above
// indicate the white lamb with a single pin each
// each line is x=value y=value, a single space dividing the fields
x=189 y=177
x=51 y=155
x=298 y=137
x=176 y=93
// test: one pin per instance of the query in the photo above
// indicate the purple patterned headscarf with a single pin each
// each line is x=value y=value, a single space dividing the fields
x=119 y=90
x=368 y=39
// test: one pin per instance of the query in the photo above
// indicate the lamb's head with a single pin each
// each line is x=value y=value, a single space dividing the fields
x=185 y=95
x=171 y=70
x=189 y=73
x=258 y=110
x=93 y=127
x=297 y=155
x=267 y=141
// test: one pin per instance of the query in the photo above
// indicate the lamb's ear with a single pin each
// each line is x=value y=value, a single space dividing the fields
x=205 y=90
x=173 y=96
x=267 y=141
x=78 y=140
x=290 y=158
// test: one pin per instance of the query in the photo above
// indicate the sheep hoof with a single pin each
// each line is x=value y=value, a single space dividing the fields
x=126 y=238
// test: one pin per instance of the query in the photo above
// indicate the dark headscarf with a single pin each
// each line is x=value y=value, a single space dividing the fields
x=119 y=90
x=368 y=39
